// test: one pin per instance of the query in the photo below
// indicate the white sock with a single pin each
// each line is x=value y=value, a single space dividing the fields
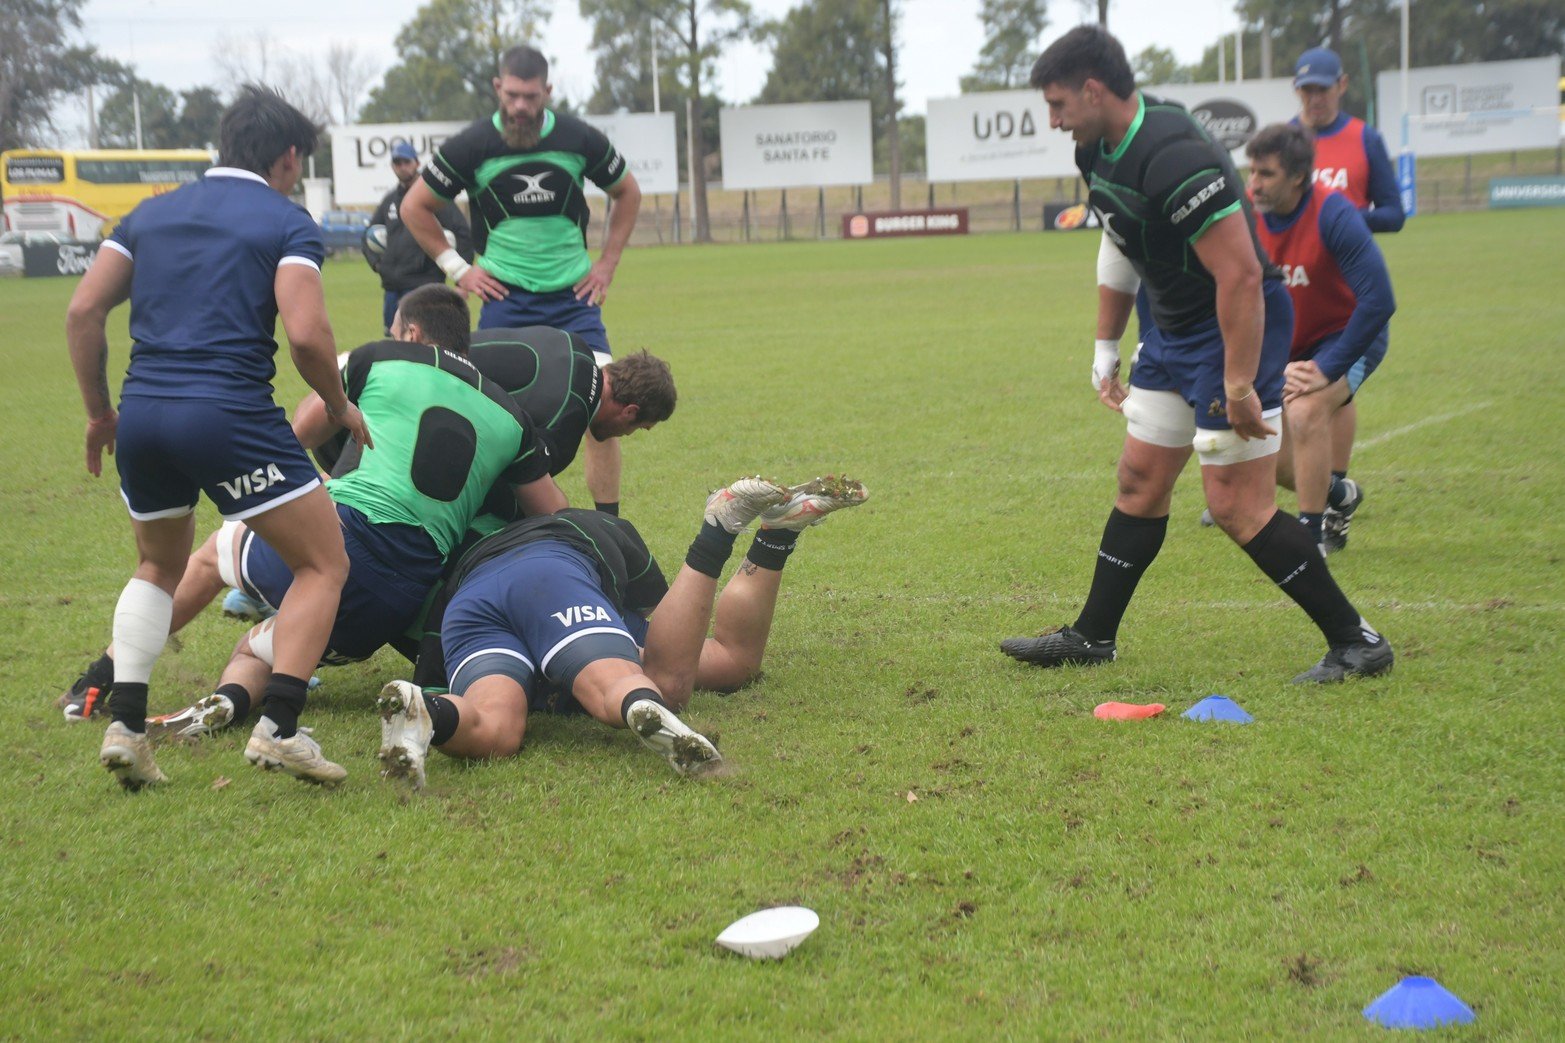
x=141 y=622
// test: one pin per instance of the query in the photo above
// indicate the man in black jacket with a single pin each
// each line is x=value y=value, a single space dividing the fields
x=402 y=264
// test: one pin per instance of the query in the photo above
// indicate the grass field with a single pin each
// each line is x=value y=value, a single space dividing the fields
x=988 y=860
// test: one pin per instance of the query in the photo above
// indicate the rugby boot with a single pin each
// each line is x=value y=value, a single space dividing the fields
x=810 y=503
x=203 y=718
x=239 y=605
x=1207 y=521
x=299 y=755
x=735 y=506
x=1062 y=646
x=1334 y=524
x=129 y=757
x=1360 y=659
x=405 y=732
x=88 y=695
x=687 y=751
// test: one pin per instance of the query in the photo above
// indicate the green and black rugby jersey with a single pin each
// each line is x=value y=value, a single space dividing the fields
x=553 y=376
x=529 y=214
x=627 y=572
x=1155 y=195
x=443 y=436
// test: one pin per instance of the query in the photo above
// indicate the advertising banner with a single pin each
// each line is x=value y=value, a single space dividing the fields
x=361 y=156
x=797 y=146
x=650 y=145
x=1508 y=192
x=1457 y=110
x=1004 y=135
x=880 y=224
x=46 y=260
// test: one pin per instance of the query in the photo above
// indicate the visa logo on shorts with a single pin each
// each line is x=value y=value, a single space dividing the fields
x=582 y=614
x=258 y=480
x=1200 y=197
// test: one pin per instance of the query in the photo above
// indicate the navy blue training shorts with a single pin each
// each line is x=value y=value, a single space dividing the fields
x=559 y=309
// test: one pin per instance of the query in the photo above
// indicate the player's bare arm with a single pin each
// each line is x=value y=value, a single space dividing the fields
x=1229 y=254
x=105 y=286
x=420 y=213
x=301 y=305
x=540 y=496
x=594 y=286
x=311 y=426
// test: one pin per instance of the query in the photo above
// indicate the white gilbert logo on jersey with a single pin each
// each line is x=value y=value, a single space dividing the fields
x=1200 y=197
x=582 y=614
x=533 y=192
x=257 y=481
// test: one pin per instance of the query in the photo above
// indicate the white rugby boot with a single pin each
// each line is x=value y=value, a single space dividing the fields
x=129 y=757
x=810 y=503
x=736 y=505
x=299 y=755
x=688 y=752
x=405 y=732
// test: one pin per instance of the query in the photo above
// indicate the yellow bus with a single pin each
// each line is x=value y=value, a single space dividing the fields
x=82 y=193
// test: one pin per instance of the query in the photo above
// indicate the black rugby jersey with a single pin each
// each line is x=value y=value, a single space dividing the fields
x=1155 y=195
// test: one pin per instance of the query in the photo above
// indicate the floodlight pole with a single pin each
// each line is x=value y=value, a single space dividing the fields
x=1406 y=49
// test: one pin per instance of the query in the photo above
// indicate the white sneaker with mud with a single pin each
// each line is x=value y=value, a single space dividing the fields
x=808 y=504
x=735 y=506
x=204 y=718
x=405 y=731
x=299 y=755
x=129 y=757
x=687 y=752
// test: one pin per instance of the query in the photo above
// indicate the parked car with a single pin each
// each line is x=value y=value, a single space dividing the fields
x=11 y=244
x=343 y=230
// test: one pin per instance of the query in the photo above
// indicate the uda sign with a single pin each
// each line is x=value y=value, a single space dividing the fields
x=995 y=135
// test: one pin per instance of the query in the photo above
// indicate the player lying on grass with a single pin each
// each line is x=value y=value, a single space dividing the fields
x=553 y=375
x=446 y=435
x=548 y=613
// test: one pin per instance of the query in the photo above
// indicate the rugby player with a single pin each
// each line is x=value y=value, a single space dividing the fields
x=1351 y=158
x=548 y=613
x=1342 y=301
x=523 y=171
x=208 y=270
x=1210 y=375
x=446 y=435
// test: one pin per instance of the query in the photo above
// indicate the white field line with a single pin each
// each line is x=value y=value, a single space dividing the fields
x=1386 y=436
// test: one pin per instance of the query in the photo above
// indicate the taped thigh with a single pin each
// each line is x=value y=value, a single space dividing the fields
x=1159 y=418
x=1221 y=448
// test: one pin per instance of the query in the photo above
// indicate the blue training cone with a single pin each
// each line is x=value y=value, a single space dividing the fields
x=1218 y=708
x=1418 y=1003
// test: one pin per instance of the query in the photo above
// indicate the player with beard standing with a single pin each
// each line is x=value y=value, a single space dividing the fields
x=523 y=170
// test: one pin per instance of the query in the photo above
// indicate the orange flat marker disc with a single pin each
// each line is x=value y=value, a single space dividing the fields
x=1127 y=711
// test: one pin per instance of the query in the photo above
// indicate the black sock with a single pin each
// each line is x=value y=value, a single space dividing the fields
x=1129 y=545
x=283 y=702
x=100 y=674
x=607 y=508
x=128 y=705
x=771 y=547
x=444 y=714
x=1312 y=521
x=636 y=697
x=239 y=695
x=1284 y=551
x=710 y=550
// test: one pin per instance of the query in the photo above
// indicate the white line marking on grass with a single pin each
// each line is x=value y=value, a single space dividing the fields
x=1386 y=436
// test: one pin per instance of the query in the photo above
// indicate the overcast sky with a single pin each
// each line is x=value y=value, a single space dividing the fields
x=171 y=41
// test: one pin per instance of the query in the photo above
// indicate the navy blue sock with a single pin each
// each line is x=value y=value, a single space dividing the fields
x=710 y=550
x=240 y=697
x=284 y=701
x=1312 y=522
x=444 y=714
x=607 y=508
x=1337 y=494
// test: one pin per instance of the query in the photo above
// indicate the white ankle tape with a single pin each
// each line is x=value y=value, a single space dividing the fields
x=141 y=621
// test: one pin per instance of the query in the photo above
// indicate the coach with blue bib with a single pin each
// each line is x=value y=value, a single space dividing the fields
x=402 y=264
x=523 y=170
x=1210 y=376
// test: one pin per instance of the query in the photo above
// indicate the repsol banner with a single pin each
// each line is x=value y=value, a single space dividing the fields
x=46 y=260
x=882 y=224
x=361 y=156
x=797 y=146
x=1068 y=217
